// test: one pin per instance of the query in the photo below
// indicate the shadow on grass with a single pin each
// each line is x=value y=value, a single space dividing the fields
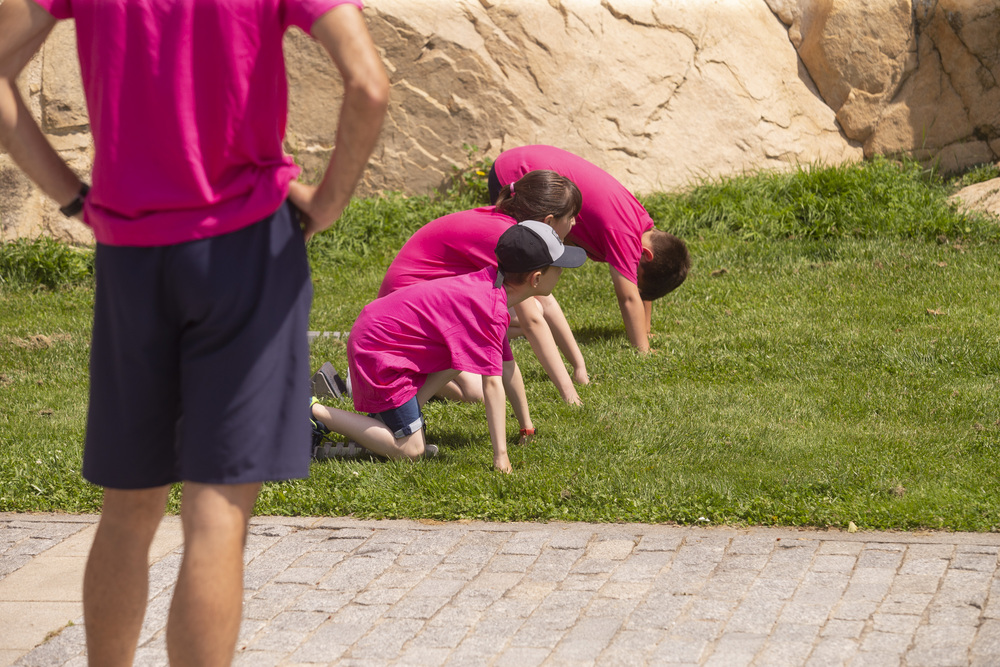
x=448 y=438
x=591 y=334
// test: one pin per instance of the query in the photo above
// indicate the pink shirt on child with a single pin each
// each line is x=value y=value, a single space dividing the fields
x=453 y=323
x=187 y=128
x=612 y=221
x=452 y=245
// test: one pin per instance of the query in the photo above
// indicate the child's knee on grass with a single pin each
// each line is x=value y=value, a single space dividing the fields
x=372 y=433
x=412 y=446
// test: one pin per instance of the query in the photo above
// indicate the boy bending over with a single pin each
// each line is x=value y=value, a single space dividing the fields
x=613 y=227
x=404 y=347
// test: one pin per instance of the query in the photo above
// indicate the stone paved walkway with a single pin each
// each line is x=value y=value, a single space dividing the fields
x=351 y=592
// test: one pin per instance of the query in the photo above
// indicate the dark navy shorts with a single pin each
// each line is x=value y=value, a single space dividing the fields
x=199 y=367
x=404 y=420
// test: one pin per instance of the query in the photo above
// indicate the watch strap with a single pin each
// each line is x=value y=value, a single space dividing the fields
x=75 y=206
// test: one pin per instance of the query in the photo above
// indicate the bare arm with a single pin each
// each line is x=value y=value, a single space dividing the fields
x=633 y=311
x=343 y=33
x=496 y=418
x=539 y=335
x=513 y=385
x=564 y=338
x=23 y=29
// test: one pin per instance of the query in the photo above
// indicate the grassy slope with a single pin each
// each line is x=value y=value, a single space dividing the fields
x=843 y=374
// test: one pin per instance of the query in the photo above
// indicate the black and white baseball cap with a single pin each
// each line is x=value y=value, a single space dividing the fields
x=532 y=245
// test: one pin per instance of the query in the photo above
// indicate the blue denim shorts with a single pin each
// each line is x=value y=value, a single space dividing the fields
x=404 y=420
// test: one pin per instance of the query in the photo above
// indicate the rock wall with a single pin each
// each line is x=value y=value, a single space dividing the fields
x=906 y=76
x=658 y=92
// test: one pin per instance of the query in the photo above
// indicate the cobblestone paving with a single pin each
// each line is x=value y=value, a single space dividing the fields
x=353 y=592
x=22 y=540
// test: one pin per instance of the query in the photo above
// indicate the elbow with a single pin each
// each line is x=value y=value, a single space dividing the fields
x=628 y=301
x=371 y=92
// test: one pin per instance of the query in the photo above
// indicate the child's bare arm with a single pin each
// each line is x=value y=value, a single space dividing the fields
x=513 y=384
x=564 y=338
x=496 y=418
x=633 y=311
x=532 y=321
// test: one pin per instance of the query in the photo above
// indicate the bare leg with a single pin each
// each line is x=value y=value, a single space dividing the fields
x=531 y=319
x=467 y=388
x=205 y=615
x=116 y=580
x=370 y=433
x=564 y=338
x=435 y=382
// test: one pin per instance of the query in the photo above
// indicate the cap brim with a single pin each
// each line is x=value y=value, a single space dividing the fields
x=571 y=258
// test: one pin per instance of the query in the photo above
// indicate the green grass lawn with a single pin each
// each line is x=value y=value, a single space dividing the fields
x=833 y=357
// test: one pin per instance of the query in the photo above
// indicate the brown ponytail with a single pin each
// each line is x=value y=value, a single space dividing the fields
x=538 y=194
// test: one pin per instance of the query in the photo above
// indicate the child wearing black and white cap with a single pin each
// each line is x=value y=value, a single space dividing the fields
x=405 y=346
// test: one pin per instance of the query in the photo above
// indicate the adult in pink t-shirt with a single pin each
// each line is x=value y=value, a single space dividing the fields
x=612 y=227
x=203 y=287
x=204 y=93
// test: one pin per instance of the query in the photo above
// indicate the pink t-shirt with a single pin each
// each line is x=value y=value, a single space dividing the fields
x=452 y=323
x=611 y=222
x=188 y=103
x=452 y=245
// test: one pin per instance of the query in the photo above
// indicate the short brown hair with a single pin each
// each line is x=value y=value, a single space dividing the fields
x=668 y=268
x=538 y=194
x=519 y=278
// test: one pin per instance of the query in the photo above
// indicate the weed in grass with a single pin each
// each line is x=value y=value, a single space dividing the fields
x=44 y=262
x=977 y=174
x=469 y=183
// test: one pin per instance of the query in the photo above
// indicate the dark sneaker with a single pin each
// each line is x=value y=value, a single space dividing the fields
x=327 y=383
x=319 y=430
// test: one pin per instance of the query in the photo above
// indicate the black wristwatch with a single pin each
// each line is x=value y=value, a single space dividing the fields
x=75 y=206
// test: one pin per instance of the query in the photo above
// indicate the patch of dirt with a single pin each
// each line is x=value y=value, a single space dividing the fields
x=38 y=341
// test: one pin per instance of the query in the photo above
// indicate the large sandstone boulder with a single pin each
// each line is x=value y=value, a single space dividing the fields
x=914 y=77
x=658 y=93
